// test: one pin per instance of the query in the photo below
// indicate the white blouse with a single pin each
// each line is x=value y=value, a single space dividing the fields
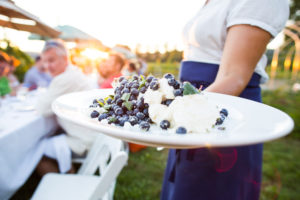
x=204 y=35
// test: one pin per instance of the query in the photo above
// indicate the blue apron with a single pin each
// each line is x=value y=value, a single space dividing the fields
x=229 y=173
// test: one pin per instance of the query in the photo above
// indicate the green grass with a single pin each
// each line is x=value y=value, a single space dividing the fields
x=159 y=69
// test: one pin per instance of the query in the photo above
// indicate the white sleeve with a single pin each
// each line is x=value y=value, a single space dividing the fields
x=59 y=86
x=269 y=15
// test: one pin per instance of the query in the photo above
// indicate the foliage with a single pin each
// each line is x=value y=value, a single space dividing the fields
x=25 y=59
x=168 y=56
x=294 y=8
x=281 y=175
x=158 y=69
x=288 y=102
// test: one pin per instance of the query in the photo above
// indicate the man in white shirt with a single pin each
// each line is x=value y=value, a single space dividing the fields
x=66 y=79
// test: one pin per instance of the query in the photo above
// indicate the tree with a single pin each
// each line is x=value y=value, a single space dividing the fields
x=295 y=10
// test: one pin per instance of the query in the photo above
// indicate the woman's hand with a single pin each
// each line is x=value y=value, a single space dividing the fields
x=244 y=46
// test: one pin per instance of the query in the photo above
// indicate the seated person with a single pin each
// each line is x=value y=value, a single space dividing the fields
x=4 y=70
x=130 y=69
x=110 y=69
x=37 y=76
x=9 y=81
x=66 y=78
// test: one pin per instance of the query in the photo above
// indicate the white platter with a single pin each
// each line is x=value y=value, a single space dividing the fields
x=248 y=122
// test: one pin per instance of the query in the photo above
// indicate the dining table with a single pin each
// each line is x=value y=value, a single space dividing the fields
x=22 y=139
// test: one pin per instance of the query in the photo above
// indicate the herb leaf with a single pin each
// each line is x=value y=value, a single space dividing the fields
x=189 y=89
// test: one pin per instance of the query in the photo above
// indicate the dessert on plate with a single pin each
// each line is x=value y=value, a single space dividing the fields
x=149 y=103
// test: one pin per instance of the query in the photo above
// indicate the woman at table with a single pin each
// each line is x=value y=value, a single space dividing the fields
x=224 y=47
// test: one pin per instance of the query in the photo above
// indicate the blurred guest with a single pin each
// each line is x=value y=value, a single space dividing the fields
x=110 y=69
x=8 y=65
x=4 y=70
x=37 y=76
x=66 y=78
x=131 y=68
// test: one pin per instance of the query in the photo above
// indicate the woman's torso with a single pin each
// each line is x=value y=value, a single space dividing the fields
x=205 y=34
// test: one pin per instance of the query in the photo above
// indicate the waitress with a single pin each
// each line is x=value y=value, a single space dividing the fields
x=224 y=47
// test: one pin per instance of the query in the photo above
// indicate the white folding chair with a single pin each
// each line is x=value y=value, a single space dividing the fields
x=107 y=155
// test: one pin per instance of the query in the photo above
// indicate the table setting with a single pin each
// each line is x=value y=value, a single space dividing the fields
x=22 y=133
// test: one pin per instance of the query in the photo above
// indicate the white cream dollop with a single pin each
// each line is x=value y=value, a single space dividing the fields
x=194 y=112
x=159 y=112
x=166 y=89
x=153 y=97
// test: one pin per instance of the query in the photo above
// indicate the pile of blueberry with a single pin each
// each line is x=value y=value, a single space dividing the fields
x=125 y=106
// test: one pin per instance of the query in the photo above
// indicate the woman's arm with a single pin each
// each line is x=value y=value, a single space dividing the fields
x=243 y=48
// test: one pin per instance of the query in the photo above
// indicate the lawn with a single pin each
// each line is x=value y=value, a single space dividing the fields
x=142 y=177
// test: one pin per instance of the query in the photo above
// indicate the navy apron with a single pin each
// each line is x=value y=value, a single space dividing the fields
x=229 y=173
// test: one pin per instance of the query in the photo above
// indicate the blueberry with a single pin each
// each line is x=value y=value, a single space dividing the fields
x=181 y=130
x=147 y=84
x=117 y=96
x=132 y=97
x=144 y=125
x=130 y=84
x=94 y=114
x=122 y=121
x=178 y=92
x=154 y=85
x=146 y=111
x=148 y=120
x=149 y=79
x=117 y=90
x=135 y=85
x=129 y=112
x=143 y=89
x=134 y=91
x=171 y=82
x=119 y=102
x=165 y=124
x=167 y=102
x=168 y=76
x=135 y=77
x=109 y=101
x=135 y=111
x=95 y=101
x=102 y=116
x=125 y=90
x=219 y=121
x=140 y=104
x=124 y=82
x=146 y=105
x=119 y=111
x=133 y=120
x=121 y=79
x=177 y=85
x=140 y=115
x=224 y=112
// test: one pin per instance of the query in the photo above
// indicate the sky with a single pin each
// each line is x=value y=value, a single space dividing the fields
x=150 y=23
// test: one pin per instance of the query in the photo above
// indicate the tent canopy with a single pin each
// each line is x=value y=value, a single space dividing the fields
x=12 y=16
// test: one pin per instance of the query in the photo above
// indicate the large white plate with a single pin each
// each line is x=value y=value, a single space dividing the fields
x=248 y=122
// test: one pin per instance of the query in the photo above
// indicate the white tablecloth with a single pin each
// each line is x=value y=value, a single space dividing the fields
x=22 y=143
